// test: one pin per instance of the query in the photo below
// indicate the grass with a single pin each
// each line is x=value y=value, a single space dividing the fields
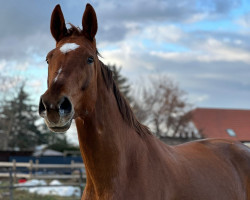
x=21 y=195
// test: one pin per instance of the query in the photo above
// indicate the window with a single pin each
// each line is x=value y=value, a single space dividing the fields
x=231 y=132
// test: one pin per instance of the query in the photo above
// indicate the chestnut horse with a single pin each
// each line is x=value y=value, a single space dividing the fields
x=123 y=159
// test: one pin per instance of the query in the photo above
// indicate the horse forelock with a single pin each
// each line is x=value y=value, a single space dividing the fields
x=74 y=31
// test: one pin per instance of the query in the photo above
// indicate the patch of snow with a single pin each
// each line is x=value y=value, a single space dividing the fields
x=47 y=152
x=41 y=147
x=55 y=182
x=59 y=189
x=32 y=183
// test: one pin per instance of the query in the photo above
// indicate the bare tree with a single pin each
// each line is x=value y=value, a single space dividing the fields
x=166 y=108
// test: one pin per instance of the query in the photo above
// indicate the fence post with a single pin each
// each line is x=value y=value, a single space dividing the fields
x=14 y=169
x=72 y=166
x=30 y=168
x=11 y=184
x=36 y=166
x=81 y=180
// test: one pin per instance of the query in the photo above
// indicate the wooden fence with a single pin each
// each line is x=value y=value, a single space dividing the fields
x=31 y=168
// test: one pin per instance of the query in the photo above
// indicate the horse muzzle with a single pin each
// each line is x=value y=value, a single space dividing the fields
x=58 y=115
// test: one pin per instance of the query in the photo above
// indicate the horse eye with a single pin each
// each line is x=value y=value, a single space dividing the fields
x=90 y=60
x=47 y=60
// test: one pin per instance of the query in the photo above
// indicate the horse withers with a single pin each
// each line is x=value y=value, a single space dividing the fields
x=123 y=160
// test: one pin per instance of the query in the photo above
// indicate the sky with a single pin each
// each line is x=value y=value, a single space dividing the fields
x=202 y=45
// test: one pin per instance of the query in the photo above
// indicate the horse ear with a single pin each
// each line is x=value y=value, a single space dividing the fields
x=57 y=24
x=89 y=22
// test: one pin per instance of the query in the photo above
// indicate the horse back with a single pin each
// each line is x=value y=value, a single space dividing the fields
x=240 y=158
x=219 y=166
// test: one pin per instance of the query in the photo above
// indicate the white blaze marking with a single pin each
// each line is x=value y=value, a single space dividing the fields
x=68 y=47
x=58 y=73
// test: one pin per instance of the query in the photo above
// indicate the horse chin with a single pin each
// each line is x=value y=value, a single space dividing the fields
x=61 y=129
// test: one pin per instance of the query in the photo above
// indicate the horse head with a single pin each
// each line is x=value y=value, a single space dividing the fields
x=72 y=71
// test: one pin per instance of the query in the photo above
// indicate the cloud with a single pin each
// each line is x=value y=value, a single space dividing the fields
x=163 y=33
x=211 y=68
x=36 y=85
x=113 y=16
x=3 y=64
x=7 y=85
x=24 y=29
x=209 y=51
x=144 y=37
x=244 y=20
x=21 y=19
x=112 y=33
x=23 y=23
x=218 y=7
x=160 y=10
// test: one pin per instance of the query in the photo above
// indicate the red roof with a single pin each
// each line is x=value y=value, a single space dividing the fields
x=214 y=123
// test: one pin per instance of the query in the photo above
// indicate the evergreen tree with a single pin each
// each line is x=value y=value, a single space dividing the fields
x=62 y=145
x=18 y=124
x=121 y=82
x=48 y=137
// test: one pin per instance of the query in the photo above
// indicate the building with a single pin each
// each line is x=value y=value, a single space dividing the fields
x=222 y=123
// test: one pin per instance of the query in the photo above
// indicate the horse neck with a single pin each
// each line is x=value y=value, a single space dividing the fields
x=106 y=141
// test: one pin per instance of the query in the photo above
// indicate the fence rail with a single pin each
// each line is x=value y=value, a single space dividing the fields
x=31 y=164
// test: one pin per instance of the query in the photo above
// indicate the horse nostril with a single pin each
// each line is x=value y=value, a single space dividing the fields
x=65 y=106
x=42 y=108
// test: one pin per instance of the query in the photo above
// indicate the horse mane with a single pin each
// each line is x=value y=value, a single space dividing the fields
x=123 y=105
